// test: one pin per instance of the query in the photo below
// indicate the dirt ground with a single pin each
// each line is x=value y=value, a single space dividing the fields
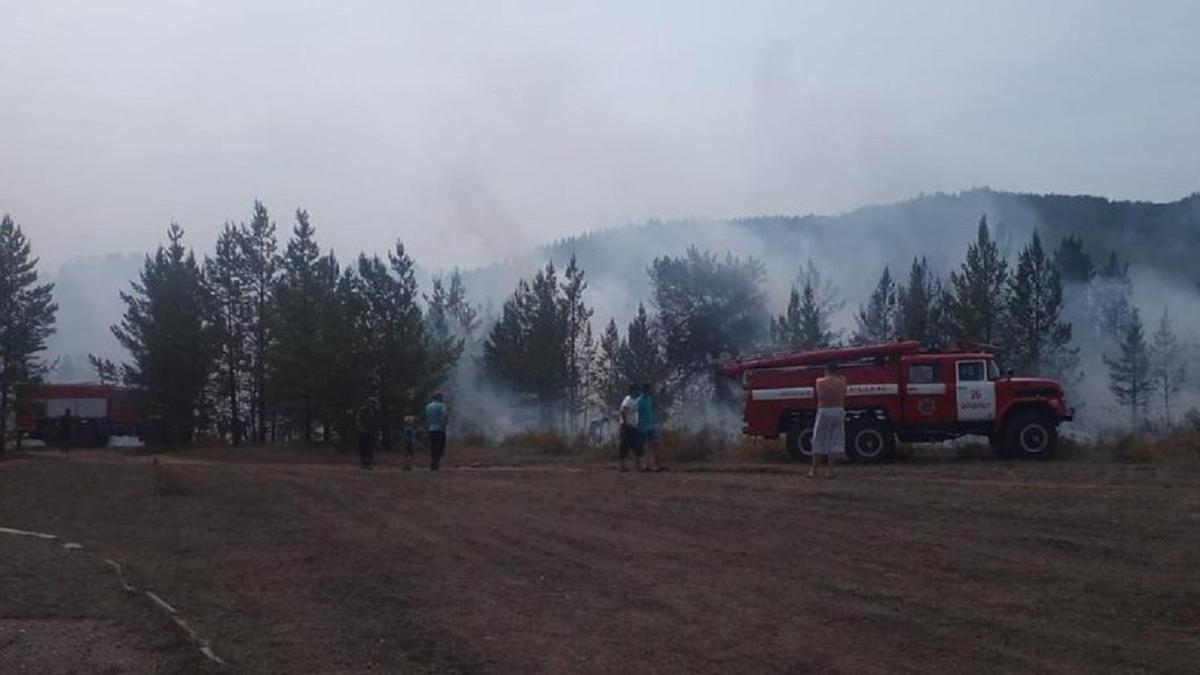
x=297 y=562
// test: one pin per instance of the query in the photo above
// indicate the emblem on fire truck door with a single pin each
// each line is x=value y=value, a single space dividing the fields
x=926 y=406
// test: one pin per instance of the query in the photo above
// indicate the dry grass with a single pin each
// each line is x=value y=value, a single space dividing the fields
x=170 y=481
x=546 y=442
x=708 y=444
x=1173 y=445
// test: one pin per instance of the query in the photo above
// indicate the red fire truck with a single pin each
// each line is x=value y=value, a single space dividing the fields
x=97 y=412
x=901 y=391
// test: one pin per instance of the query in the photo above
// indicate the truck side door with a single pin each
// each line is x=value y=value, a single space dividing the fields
x=976 y=394
x=928 y=399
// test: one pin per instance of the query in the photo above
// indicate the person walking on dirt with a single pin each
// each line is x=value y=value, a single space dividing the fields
x=829 y=433
x=410 y=438
x=631 y=434
x=364 y=423
x=436 y=419
x=66 y=430
x=649 y=427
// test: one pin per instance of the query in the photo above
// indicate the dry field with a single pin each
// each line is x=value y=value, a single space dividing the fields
x=296 y=562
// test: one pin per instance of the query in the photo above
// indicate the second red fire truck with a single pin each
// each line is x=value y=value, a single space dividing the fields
x=901 y=391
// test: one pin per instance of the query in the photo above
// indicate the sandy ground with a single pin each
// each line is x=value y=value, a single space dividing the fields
x=301 y=562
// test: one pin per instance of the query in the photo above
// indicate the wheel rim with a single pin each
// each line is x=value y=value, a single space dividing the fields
x=1034 y=439
x=869 y=443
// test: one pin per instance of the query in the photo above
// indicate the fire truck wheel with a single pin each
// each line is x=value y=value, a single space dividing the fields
x=1030 y=433
x=798 y=441
x=870 y=441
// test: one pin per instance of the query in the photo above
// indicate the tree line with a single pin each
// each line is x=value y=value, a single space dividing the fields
x=266 y=342
x=259 y=343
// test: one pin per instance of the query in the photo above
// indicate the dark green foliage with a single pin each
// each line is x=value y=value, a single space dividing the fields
x=27 y=311
x=170 y=341
x=974 y=303
x=527 y=349
x=1073 y=263
x=876 y=320
x=577 y=346
x=1037 y=337
x=708 y=309
x=918 y=312
x=232 y=311
x=261 y=269
x=305 y=313
x=397 y=359
x=806 y=323
x=107 y=372
x=1130 y=378
x=611 y=379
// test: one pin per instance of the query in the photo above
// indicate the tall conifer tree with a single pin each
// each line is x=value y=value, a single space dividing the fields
x=27 y=312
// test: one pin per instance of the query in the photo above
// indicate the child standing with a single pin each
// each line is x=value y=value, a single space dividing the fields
x=410 y=438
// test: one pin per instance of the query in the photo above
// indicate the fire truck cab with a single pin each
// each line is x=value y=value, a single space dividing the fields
x=901 y=391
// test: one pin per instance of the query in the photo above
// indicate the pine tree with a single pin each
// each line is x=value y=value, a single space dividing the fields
x=170 y=341
x=577 y=316
x=107 y=372
x=224 y=275
x=1073 y=263
x=611 y=382
x=1167 y=365
x=806 y=324
x=465 y=315
x=918 y=314
x=303 y=294
x=27 y=312
x=1130 y=377
x=1109 y=295
x=708 y=309
x=403 y=362
x=641 y=359
x=260 y=256
x=976 y=297
x=1037 y=337
x=876 y=321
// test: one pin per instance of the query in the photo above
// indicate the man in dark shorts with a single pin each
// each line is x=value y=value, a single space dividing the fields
x=436 y=419
x=631 y=434
x=649 y=427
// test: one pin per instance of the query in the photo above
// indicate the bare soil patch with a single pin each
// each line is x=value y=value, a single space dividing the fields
x=509 y=562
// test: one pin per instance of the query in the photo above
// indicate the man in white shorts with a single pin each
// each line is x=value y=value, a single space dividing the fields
x=829 y=433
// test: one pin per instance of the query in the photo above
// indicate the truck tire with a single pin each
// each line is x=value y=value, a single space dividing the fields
x=870 y=441
x=1030 y=434
x=798 y=441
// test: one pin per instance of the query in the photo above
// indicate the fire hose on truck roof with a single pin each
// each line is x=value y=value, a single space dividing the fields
x=820 y=357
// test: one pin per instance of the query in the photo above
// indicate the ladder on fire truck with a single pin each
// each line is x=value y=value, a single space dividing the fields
x=817 y=357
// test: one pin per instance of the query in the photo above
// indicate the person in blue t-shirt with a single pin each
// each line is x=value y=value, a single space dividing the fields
x=649 y=427
x=436 y=419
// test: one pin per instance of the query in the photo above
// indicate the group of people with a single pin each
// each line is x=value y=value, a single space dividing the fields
x=639 y=430
x=436 y=418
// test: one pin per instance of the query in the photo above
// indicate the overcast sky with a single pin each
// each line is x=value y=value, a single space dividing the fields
x=472 y=130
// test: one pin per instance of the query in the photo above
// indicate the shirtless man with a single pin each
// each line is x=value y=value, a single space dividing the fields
x=829 y=433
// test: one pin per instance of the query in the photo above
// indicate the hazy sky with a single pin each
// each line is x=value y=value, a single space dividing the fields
x=472 y=130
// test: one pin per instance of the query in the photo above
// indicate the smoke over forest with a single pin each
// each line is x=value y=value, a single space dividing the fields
x=848 y=252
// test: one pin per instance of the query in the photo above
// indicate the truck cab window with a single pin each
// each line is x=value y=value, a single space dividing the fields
x=923 y=373
x=993 y=370
x=971 y=371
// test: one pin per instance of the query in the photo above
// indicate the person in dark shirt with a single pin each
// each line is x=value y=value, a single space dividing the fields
x=67 y=430
x=365 y=425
